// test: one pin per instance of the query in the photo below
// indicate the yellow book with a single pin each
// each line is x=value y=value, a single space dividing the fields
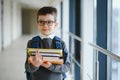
x=52 y=55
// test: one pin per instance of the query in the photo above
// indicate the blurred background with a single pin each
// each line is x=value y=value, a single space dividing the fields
x=90 y=29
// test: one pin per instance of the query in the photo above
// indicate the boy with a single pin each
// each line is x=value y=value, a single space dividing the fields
x=40 y=70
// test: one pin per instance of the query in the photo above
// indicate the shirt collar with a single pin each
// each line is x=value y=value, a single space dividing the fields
x=48 y=36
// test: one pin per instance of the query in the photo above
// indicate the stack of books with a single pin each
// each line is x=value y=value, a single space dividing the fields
x=52 y=55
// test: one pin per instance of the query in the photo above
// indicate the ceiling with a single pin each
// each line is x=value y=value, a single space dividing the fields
x=38 y=3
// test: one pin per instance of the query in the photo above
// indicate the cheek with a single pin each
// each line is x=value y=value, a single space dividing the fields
x=53 y=27
x=39 y=28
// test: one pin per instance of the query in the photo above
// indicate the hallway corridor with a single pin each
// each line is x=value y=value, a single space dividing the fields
x=12 y=60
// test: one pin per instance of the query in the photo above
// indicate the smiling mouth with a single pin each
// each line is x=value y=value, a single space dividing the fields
x=45 y=29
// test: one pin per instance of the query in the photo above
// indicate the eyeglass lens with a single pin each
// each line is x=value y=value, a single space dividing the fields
x=49 y=23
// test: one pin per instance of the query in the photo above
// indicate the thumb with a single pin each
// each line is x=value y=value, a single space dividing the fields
x=29 y=60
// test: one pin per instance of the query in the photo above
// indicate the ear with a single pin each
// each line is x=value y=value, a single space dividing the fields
x=56 y=24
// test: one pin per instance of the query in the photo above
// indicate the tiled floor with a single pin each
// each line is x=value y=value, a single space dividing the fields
x=12 y=60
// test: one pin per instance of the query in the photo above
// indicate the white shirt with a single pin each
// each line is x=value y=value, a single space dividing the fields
x=48 y=36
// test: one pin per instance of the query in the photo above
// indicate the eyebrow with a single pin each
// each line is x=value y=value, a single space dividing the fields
x=46 y=20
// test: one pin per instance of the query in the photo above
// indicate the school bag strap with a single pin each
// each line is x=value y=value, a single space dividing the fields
x=58 y=44
x=36 y=42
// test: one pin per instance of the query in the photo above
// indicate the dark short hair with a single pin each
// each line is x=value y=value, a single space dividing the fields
x=47 y=10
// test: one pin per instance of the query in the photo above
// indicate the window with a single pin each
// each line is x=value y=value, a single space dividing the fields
x=115 y=38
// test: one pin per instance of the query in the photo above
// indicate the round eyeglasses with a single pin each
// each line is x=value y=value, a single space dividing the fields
x=42 y=23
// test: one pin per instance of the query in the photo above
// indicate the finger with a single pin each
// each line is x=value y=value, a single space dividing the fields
x=36 y=54
x=29 y=59
x=40 y=57
x=45 y=62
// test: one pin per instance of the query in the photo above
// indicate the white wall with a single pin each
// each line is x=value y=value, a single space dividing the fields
x=16 y=24
x=11 y=22
x=58 y=29
x=65 y=20
x=7 y=33
x=87 y=35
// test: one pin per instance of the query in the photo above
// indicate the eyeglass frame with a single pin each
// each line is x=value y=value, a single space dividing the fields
x=42 y=22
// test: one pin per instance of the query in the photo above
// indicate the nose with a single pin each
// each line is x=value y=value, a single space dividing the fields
x=45 y=24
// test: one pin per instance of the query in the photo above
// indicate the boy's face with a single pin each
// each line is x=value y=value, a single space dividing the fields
x=46 y=24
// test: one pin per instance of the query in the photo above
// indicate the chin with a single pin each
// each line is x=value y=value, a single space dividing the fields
x=46 y=34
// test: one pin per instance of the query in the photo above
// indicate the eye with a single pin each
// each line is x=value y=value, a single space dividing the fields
x=40 y=21
x=50 y=22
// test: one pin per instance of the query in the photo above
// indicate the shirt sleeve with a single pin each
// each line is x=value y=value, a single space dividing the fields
x=65 y=66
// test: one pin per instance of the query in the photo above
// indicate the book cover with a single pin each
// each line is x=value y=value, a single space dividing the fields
x=52 y=55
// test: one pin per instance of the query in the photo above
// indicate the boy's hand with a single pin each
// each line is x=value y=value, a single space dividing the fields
x=36 y=60
x=46 y=64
